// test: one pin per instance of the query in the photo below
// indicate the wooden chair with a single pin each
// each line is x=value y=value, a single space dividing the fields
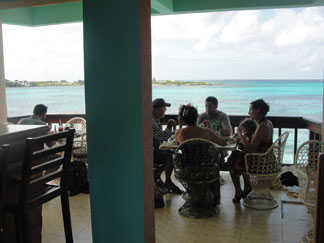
x=196 y=166
x=3 y=181
x=306 y=159
x=79 y=151
x=34 y=187
x=263 y=168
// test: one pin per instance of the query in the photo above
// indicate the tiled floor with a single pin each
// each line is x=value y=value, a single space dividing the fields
x=53 y=230
x=232 y=223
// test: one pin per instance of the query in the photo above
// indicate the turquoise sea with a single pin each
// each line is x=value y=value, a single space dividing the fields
x=286 y=98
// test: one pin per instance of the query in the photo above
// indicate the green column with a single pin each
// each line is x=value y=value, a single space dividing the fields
x=117 y=54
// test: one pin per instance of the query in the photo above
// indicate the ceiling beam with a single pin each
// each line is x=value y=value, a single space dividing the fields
x=30 y=3
x=189 y=6
x=162 y=6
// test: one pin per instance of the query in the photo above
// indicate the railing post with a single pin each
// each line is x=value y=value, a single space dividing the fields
x=295 y=140
x=319 y=203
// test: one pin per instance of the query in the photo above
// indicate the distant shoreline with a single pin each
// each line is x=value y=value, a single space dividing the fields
x=20 y=84
x=181 y=83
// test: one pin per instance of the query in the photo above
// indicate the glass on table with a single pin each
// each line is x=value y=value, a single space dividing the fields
x=172 y=139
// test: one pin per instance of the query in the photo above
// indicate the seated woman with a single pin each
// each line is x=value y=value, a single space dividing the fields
x=188 y=115
x=260 y=142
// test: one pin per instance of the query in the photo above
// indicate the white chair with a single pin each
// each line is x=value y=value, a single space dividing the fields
x=263 y=168
x=80 y=138
x=306 y=159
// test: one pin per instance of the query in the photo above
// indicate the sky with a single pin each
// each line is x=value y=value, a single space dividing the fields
x=256 y=44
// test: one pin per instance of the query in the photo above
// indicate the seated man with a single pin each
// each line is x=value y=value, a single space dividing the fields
x=215 y=119
x=218 y=121
x=38 y=117
x=160 y=135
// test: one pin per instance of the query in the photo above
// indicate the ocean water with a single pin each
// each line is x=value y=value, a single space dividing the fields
x=288 y=97
x=59 y=99
x=285 y=97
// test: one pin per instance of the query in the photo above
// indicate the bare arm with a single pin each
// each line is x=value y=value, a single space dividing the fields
x=216 y=137
x=52 y=143
x=225 y=132
x=226 y=129
x=178 y=136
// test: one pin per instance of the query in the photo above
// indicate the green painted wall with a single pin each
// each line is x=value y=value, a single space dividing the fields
x=219 y=5
x=114 y=122
x=72 y=12
x=19 y=16
x=46 y=15
x=62 y=13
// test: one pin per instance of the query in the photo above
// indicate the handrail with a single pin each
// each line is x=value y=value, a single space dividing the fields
x=280 y=122
x=277 y=121
x=50 y=118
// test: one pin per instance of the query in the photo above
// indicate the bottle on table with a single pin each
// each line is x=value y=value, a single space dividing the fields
x=60 y=128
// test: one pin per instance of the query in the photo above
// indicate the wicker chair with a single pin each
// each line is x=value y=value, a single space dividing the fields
x=196 y=166
x=263 y=168
x=306 y=167
x=80 y=139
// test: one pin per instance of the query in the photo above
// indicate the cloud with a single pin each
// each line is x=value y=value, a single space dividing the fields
x=241 y=27
x=282 y=43
x=43 y=53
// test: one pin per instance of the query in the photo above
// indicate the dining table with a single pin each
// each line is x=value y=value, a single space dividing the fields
x=171 y=145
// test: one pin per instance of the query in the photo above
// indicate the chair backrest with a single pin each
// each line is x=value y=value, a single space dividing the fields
x=306 y=159
x=3 y=181
x=278 y=147
x=38 y=159
x=78 y=123
x=196 y=160
x=307 y=155
x=269 y=162
x=80 y=140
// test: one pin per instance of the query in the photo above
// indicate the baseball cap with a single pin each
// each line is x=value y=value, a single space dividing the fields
x=157 y=103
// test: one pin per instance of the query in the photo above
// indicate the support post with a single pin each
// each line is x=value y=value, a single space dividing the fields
x=3 y=102
x=118 y=93
x=319 y=203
